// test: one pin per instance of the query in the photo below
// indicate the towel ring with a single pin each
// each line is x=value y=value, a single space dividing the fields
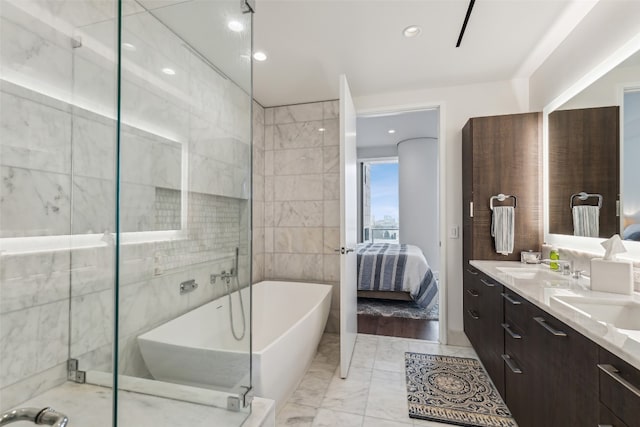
x=584 y=196
x=501 y=198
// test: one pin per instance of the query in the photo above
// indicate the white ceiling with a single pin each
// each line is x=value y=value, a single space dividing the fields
x=373 y=131
x=311 y=42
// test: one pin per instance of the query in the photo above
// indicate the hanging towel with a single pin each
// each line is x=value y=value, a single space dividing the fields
x=586 y=221
x=502 y=230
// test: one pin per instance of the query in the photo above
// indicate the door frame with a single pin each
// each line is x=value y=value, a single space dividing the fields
x=442 y=224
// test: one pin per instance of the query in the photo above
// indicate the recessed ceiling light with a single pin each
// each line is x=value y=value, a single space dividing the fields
x=260 y=56
x=412 y=31
x=321 y=129
x=169 y=71
x=391 y=131
x=235 y=26
x=128 y=46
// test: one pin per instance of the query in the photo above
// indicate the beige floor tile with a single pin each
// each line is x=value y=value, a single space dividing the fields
x=330 y=418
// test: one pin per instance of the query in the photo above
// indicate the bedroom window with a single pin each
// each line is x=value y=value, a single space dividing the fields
x=380 y=218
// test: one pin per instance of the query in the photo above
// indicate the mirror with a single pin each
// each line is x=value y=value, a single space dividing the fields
x=593 y=153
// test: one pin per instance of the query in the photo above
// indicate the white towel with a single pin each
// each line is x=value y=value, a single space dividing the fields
x=586 y=221
x=502 y=228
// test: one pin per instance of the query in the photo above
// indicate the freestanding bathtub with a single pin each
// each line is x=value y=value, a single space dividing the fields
x=198 y=347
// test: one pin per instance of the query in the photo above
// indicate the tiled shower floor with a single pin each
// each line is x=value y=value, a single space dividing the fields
x=374 y=394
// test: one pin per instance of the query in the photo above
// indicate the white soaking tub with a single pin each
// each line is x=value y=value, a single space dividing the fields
x=198 y=347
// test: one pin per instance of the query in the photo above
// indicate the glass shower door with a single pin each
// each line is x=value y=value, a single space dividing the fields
x=184 y=326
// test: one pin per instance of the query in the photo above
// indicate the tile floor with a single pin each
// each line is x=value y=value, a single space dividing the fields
x=374 y=394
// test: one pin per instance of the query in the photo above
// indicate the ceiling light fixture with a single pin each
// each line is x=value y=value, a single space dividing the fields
x=260 y=56
x=321 y=129
x=412 y=31
x=128 y=46
x=169 y=71
x=235 y=26
x=391 y=131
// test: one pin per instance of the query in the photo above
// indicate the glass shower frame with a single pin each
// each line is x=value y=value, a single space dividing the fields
x=112 y=242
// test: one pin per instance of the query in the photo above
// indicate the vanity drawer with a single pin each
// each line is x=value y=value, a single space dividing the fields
x=516 y=309
x=619 y=388
x=608 y=419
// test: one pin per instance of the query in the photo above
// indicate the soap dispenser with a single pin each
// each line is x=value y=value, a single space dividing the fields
x=609 y=274
x=554 y=255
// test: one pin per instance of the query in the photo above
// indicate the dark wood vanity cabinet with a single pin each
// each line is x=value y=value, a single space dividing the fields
x=549 y=370
x=501 y=154
x=482 y=322
x=619 y=391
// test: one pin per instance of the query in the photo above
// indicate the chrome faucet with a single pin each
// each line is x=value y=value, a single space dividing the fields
x=224 y=275
x=566 y=267
x=45 y=416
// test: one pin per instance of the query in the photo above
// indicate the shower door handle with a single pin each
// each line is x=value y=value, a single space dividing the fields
x=46 y=416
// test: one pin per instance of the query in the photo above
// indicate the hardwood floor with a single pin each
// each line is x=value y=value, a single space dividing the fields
x=398 y=327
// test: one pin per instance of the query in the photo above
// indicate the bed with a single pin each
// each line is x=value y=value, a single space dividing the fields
x=394 y=271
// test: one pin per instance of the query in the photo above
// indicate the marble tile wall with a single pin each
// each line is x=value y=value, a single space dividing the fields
x=301 y=195
x=57 y=162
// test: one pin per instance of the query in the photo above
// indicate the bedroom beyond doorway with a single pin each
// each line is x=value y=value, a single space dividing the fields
x=398 y=233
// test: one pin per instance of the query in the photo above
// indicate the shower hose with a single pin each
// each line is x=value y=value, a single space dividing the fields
x=244 y=325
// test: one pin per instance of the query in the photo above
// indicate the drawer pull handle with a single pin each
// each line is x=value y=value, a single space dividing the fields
x=489 y=284
x=471 y=271
x=511 y=364
x=473 y=314
x=545 y=325
x=473 y=292
x=615 y=374
x=511 y=299
x=605 y=425
x=513 y=335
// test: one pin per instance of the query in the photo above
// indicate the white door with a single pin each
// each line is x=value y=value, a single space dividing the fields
x=348 y=228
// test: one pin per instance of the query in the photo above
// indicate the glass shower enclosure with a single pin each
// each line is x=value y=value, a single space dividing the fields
x=125 y=210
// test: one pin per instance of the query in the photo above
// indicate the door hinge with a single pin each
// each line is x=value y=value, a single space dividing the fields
x=73 y=373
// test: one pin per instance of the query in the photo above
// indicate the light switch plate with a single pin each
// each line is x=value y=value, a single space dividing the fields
x=454 y=232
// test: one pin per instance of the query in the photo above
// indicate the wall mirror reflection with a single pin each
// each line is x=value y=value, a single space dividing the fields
x=593 y=153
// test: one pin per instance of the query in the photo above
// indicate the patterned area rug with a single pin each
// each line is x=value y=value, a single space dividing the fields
x=391 y=308
x=453 y=390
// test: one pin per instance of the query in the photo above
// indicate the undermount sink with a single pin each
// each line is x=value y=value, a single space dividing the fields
x=621 y=314
x=531 y=273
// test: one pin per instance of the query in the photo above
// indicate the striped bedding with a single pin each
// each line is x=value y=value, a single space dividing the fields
x=396 y=268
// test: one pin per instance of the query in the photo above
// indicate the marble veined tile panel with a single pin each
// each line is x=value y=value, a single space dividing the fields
x=94 y=148
x=93 y=205
x=297 y=266
x=298 y=187
x=91 y=321
x=331 y=133
x=298 y=214
x=298 y=239
x=298 y=135
x=298 y=113
x=34 y=203
x=331 y=159
x=34 y=136
x=28 y=280
x=299 y=161
x=33 y=54
x=136 y=165
x=331 y=187
x=331 y=109
x=25 y=333
x=137 y=207
x=167 y=165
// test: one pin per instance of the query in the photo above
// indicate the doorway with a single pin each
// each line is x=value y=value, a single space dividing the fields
x=399 y=254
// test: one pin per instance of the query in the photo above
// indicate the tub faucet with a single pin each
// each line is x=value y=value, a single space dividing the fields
x=224 y=275
x=45 y=416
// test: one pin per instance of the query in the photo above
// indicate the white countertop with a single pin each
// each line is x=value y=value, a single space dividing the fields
x=623 y=343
